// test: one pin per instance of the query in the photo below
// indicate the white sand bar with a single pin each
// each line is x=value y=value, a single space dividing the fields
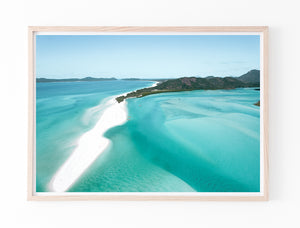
x=154 y=84
x=90 y=146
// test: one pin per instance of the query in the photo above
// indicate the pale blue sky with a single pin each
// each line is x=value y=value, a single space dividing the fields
x=145 y=56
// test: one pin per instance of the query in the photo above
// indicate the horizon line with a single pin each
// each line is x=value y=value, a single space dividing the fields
x=117 y=78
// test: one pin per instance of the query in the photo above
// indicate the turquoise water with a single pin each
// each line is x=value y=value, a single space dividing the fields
x=204 y=141
x=64 y=111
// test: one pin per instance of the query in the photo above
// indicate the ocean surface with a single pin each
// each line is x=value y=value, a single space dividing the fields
x=196 y=141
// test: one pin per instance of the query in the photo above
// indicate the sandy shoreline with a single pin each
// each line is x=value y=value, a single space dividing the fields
x=90 y=145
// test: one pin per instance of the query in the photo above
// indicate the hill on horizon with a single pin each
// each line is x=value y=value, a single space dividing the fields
x=86 y=79
x=252 y=76
x=250 y=79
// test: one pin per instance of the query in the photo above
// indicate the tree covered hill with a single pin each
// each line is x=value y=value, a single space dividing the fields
x=250 y=79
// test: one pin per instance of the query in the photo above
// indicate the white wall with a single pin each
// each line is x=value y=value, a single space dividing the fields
x=283 y=207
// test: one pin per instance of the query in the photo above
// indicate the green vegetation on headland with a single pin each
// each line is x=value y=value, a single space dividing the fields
x=250 y=79
x=86 y=79
x=145 y=79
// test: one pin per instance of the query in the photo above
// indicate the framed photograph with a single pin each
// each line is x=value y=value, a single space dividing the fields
x=148 y=113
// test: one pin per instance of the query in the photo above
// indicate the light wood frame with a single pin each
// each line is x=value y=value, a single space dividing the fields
x=263 y=30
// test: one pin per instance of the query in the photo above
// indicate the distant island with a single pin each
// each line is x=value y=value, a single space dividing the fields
x=86 y=79
x=250 y=79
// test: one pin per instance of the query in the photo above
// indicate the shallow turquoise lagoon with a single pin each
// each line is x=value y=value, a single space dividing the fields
x=64 y=111
x=205 y=141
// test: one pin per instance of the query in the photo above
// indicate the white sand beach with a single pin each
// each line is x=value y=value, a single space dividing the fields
x=90 y=145
x=154 y=84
